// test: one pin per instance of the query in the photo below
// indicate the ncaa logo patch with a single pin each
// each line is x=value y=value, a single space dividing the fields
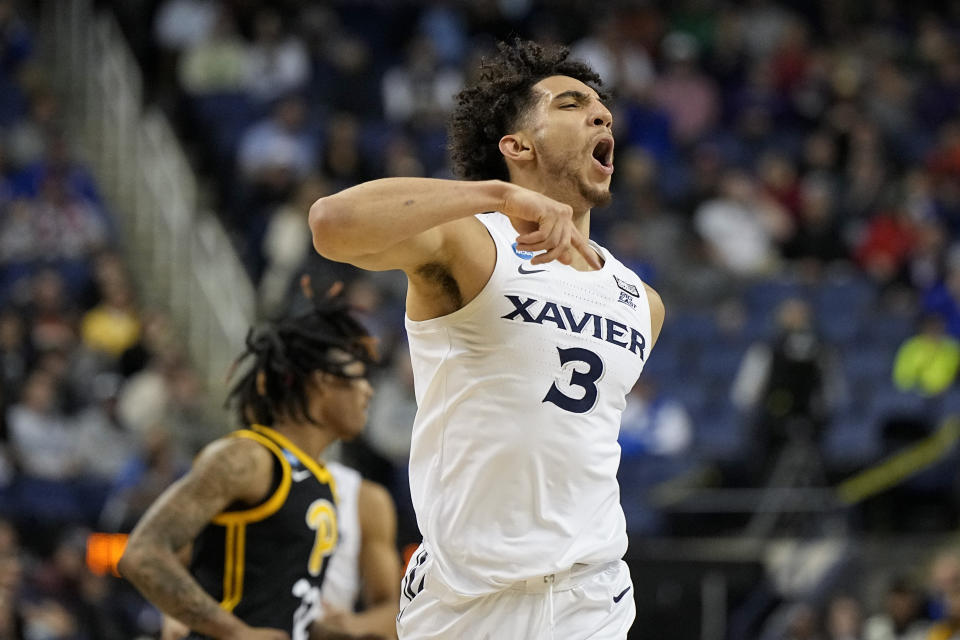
x=523 y=255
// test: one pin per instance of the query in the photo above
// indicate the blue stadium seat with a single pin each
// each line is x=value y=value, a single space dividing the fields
x=766 y=296
x=692 y=327
x=844 y=296
x=719 y=432
x=720 y=361
x=839 y=327
x=852 y=440
x=889 y=329
x=871 y=362
x=889 y=402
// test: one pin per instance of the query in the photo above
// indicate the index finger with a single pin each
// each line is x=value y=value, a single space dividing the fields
x=587 y=251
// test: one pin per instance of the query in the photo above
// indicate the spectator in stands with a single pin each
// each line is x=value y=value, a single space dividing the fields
x=43 y=440
x=948 y=628
x=145 y=475
x=217 y=64
x=901 y=617
x=788 y=385
x=844 y=618
x=71 y=227
x=624 y=65
x=818 y=240
x=27 y=138
x=278 y=62
x=687 y=95
x=888 y=242
x=803 y=623
x=943 y=577
x=113 y=326
x=285 y=246
x=943 y=299
x=50 y=316
x=741 y=227
x=279 y=150
x=928 y=362
x=342 y=159
x=420 y=92
x=653 y=423
x=180 y=24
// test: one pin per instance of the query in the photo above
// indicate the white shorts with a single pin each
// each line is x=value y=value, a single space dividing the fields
x=588 y=601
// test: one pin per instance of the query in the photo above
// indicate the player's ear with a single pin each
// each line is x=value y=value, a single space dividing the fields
x=516 y=147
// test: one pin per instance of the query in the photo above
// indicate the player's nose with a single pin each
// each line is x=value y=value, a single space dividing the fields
x=601 y=115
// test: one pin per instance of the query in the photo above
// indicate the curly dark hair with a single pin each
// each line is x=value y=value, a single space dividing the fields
x=285 y=352
x=494 y=105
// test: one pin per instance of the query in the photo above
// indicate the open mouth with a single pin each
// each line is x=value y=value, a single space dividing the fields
x=603 y=153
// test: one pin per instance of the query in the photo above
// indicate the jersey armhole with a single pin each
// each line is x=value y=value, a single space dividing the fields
x=271 y=504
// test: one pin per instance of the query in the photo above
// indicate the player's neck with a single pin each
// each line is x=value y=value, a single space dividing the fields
x=310 y=438
x=553 y=189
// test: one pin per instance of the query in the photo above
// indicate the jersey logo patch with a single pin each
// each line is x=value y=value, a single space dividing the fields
x=520 y=269
x=627 y=300
x=626 y=286
x=301 y=475
x=523 y=255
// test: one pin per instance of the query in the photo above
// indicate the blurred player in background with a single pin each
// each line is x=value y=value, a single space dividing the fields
x=257 y=507
x=525 y=339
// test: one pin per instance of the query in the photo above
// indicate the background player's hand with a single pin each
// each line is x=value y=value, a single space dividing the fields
x=550 y=229
x=262 y=633
x=173 y=629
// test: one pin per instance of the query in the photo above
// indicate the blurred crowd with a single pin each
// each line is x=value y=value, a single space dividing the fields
x=787 y=178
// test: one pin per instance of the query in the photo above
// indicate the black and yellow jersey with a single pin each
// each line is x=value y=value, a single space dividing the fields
x=266 y=563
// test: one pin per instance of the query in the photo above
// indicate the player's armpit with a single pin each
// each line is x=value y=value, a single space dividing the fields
x=228 y=470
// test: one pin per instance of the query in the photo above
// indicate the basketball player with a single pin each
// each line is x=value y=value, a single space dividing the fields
x=364 y=567
x=257 y=507
x=525 y=339
x=366 y=564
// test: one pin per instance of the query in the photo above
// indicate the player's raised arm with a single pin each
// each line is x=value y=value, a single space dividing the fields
x=403 y=223
x=226 y=471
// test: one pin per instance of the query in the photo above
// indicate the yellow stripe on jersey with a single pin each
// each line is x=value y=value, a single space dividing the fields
x=273 y=504
x=239 y=562
x=320 y=471
x=229 y=565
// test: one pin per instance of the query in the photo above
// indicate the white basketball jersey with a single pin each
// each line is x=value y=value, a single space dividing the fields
x=514 y=453
x=341 y=583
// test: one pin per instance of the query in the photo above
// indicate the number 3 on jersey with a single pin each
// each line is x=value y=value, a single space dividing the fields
x=584 y=379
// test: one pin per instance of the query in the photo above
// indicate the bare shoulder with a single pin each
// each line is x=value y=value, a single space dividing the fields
x=226 y=471
x=657 y=311
x=240 y=468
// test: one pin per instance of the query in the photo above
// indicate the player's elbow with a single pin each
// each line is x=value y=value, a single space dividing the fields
x=327 y=225
x=129 y=561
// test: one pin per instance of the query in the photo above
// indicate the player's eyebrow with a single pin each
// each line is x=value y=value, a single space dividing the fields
x=579 y=96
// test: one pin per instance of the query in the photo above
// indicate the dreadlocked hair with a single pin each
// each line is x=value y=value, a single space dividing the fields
x=495 y=105
x=286 y=352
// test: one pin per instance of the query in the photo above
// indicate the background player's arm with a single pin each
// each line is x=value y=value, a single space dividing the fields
x=228 y=470
x=404 y=223
x=657 y=313
x=379 y=569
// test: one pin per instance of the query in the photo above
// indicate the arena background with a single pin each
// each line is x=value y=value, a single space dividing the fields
x=788 y=178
